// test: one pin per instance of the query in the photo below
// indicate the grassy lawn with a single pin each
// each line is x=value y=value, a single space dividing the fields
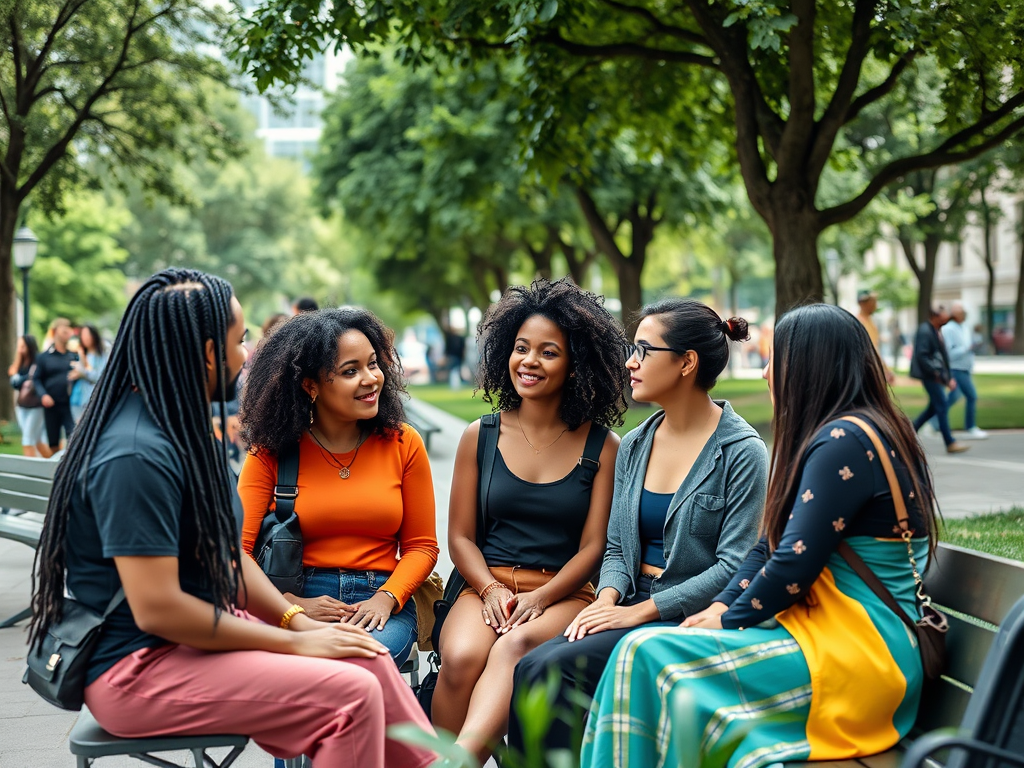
x=1001 y=533
x=1000 y=402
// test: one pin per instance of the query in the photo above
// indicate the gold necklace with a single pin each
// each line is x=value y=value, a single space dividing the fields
x=537 y=450
x=343 y=469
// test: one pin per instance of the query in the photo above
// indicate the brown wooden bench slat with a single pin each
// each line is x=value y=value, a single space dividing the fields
x=967 y=646
x=28 y=466
x=984 y=587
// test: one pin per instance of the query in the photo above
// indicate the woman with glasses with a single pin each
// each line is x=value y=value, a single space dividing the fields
x=551 y=364
x=690 y=486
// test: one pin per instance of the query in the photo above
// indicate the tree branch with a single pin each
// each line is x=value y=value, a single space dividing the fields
x=603 y=236
x=631 y=50
x=874 y=94
x=942 y=155
x=800 y=123
x=658 y=24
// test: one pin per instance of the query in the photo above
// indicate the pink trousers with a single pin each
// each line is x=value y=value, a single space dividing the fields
x=335 y=711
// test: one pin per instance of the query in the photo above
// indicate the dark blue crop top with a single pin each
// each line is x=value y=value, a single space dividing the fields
x=653 y=511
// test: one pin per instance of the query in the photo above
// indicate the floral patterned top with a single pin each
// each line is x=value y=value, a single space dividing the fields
x=842 y=492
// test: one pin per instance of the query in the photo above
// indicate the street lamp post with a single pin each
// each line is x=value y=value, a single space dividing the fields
x=833 y=268
x=25 y=245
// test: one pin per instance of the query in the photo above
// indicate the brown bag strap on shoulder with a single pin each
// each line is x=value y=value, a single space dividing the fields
x=856 y=562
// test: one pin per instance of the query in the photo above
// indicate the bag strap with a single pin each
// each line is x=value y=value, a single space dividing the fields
x=115 y=601
x=487 y=447
x=287 y=488
x=890 y=473
x=848 y=553
x=590 y=460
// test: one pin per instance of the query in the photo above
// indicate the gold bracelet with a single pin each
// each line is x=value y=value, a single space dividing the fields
x=290 y=614
x=486 y=590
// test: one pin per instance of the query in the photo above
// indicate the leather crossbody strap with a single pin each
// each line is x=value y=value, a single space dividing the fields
x=287 y=488
x=856 y=561
x=487 y=447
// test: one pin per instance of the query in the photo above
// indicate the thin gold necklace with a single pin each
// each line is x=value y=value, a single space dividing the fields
x=535 y=448
x=343 y=469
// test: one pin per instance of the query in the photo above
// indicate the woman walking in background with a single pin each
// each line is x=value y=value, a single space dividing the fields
x=92 y=360
x=28 y=408
x=797 y=638
x=551 y=362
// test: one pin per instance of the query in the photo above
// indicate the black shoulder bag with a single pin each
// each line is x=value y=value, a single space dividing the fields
x=278 y=547
x=58 y=662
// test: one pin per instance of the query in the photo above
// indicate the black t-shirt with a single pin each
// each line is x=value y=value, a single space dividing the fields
x=132 y=506
x=51 y=376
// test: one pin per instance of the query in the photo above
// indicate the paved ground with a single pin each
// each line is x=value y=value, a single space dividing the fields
x=988 y=478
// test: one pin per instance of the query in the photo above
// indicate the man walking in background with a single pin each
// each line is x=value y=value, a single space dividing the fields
x=930 y=364
x=868 y=303
x=52 y=381
x=960 y=348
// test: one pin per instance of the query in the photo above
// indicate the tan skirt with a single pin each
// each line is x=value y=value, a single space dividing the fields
x=528 y=579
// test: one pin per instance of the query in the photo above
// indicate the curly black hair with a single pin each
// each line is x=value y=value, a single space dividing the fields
x=275 y=408
x=596 y=350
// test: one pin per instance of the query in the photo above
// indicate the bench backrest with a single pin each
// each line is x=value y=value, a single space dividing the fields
x=976 y=591
x=25 y=482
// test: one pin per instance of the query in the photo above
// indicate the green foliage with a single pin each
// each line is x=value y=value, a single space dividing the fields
x=79 y=272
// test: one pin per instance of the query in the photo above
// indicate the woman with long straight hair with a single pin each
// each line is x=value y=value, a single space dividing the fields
x=30 y=418
x=144 y=505
x=797 y=640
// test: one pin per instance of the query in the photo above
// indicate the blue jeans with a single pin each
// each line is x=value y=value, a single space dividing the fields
x=398 y=634
x=937 y=408
x=965 y=387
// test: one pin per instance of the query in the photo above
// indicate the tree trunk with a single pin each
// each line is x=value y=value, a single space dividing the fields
x=628 y=272
x=990 y=289
x=1018 y=309
x=925 y=274
x=797 y=269
x=8 y=306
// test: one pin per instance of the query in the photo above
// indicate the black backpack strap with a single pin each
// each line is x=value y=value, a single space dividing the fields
x=486 y=448
x=287 y=488
x=590 y=461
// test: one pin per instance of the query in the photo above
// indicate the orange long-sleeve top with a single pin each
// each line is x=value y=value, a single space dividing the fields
x=381 y=518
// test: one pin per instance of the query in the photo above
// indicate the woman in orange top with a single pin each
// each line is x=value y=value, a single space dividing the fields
x=331 y=381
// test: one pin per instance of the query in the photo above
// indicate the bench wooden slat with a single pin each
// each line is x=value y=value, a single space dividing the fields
x=967 y=645
x=28 y=466
x=942 y=706
x=985 y=587
x=18 y=529
x=23 y=501
x=889 y=759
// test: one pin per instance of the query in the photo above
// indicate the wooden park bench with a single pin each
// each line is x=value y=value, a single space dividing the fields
x=25 y=488
x=976 y=592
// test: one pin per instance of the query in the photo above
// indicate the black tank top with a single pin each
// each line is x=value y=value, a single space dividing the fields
x=539 y=525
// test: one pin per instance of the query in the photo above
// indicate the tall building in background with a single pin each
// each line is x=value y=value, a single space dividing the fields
x=292 y=127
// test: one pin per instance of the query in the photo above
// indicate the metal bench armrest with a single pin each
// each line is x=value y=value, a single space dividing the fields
x=930 y=743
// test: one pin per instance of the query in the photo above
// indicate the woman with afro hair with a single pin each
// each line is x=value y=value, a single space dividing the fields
x=551 y=363
x=330 y=382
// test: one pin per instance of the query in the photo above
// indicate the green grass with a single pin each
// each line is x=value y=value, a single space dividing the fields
x=1000 y=402
x=1001 y=533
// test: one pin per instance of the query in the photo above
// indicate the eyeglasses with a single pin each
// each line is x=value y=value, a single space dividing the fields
x=641 y=350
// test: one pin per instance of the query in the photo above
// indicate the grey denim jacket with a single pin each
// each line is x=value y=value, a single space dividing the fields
x=712 y=521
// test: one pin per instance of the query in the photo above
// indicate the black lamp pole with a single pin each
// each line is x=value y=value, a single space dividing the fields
x=24 y=299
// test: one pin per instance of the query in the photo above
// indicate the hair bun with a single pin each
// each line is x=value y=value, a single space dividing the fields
x=736 y=328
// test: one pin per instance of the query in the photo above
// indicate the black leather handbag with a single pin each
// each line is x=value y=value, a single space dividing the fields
x=58 y=662
x=278 y=547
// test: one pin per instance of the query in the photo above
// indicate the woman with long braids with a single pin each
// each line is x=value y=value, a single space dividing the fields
x=690 y=484
x=144 y=501
x=551 y=363
x=797 y=640
x=330 y=382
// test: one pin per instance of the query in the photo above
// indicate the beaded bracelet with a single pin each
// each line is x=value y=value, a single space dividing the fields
x=493 y=585
x=290 y=614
